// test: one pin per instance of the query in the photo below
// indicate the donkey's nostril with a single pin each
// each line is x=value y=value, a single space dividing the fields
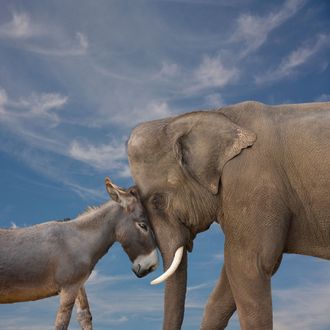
x=137 y=270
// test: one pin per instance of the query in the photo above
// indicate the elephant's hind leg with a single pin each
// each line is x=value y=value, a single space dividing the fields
x=84 y=315
x=220 y=305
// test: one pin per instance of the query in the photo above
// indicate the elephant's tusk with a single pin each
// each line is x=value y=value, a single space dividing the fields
x=171 y=270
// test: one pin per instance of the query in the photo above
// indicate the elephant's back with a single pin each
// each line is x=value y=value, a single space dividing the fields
x=252 y=110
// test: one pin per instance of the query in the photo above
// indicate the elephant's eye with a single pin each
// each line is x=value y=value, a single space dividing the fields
x=158 y=201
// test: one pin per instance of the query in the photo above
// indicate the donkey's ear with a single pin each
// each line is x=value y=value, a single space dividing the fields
x=203 y=142
x=118 y=194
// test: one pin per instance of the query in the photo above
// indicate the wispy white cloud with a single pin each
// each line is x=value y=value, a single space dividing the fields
x=82 y=41
x=156 y=109
x=46 y=163
x=33 y=121
x=26 y=323
x=142 y=112
x=124 y=301
x=323 y=98
x=42 y=105
x=219 y=257
x=82 y=191
x=200 y=286
x=104 y=156
x=125 y=171
x=3 y=97
x=98 y=278
x=37 y=106
x=169 y=70
x=20 y=316
x=214 y=100
x=212 y=73
x=253 y=30
x=111 y=74
x=219 y=71
x=64 y=47
x=20 y=27
x=30 y=119
x=3 y=100
x=41 y=38
x=304 y=307
x=295 y=59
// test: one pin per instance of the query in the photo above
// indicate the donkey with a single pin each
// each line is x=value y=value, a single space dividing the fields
x=56 y=258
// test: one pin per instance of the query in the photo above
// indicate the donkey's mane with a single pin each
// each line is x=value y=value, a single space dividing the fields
x=89 y=209
x=63 y=220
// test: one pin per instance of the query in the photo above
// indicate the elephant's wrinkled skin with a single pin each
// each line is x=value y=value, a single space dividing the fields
x=263 y=172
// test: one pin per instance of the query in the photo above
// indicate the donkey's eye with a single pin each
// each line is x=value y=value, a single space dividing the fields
x=143 y=226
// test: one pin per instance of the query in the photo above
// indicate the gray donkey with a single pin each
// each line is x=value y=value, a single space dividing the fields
x=57 y=257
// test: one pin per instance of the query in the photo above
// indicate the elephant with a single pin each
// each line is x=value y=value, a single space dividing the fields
x=262 y=172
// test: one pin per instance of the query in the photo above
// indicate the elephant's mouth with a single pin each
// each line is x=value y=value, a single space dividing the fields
x=171 y=270
x=190 y=246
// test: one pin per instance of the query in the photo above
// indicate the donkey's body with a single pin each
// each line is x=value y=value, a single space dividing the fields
x=57 y=257
x=37 y=262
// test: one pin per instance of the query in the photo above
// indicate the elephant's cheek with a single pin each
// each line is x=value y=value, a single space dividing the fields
x=169 y=237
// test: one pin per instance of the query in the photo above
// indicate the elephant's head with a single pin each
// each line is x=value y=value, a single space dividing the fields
x=177 y=165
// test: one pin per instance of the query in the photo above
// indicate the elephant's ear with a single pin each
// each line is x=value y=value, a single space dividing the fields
x=204 y=142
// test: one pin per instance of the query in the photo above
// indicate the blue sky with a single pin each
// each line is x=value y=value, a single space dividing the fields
x=76 y=76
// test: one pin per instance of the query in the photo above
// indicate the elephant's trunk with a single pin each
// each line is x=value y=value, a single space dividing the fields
x=175 y=293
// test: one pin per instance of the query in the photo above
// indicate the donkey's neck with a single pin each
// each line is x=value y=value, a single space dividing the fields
x=97 y=226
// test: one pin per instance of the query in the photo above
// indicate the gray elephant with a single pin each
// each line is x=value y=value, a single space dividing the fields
x=262 y=172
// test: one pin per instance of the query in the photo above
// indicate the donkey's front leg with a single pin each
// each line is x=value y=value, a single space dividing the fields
x=84 y=315
x=68 y=296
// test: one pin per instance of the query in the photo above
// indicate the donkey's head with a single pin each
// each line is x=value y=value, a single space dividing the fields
x=133 y=230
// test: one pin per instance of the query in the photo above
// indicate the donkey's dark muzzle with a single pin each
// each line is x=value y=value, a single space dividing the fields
x=141 y=272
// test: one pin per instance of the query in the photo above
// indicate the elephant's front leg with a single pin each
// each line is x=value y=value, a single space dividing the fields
x=220 y=305
x=255 y=221
x=249 y=273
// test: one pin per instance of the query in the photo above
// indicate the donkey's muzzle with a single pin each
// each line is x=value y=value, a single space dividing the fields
x=145 y=264
x=141 y=272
